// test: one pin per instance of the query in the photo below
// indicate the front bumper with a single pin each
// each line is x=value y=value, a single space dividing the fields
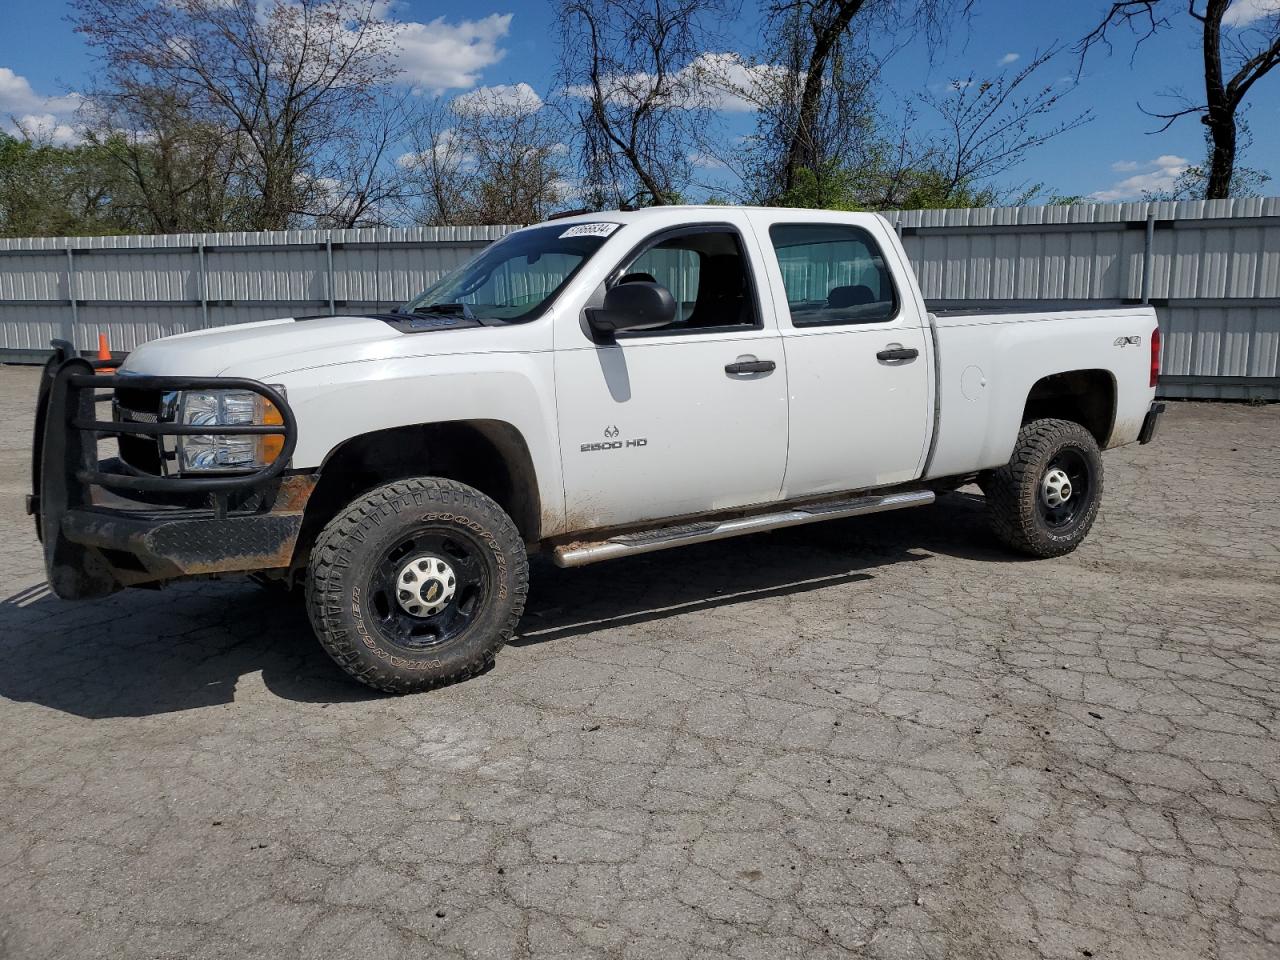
x=108 y=546
x=1151 y=423
x=97 y=541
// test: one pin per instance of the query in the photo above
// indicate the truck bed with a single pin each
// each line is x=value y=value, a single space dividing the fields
x=943 y=308
x=990 y=360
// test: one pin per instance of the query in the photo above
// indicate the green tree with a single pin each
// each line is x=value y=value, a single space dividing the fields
x=299 y=85
x=174 y=172
x=48 y=190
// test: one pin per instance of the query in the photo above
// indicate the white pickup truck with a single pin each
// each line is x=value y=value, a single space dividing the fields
x=592 y=387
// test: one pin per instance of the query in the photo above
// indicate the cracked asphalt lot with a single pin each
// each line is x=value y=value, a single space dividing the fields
x=880 y=737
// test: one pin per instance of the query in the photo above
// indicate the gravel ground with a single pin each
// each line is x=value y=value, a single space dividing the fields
x=882 y=737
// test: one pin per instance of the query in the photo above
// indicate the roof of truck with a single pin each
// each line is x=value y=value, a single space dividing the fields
x=675 y=211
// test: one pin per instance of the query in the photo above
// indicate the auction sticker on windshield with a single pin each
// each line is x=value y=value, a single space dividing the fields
x=590 y=230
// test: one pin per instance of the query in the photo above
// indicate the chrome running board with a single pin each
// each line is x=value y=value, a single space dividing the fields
x=660 y=538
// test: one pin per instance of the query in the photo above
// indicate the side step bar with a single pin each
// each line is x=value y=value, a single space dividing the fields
x=647 y=541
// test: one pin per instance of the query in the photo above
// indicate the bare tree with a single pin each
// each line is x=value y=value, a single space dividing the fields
x=1238 y=50
x=991 y=124
x=824 y=66
x=517 y=152
x=436 y=167
x=494 y=155
x=854 y=156
x=633 y=62
x=183 y=174
x=290 y=77
x=803 y=139
x=361 y=184
x=817 y=38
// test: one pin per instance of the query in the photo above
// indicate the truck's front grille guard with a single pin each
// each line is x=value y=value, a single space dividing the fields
x=76 y=383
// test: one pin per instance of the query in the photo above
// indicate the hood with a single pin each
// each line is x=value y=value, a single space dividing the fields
x=279 y=346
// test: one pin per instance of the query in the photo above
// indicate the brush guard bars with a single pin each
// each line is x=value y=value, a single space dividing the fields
x=97 y=539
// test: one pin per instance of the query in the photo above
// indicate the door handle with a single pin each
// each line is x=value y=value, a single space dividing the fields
x=897 y=352
x=750 y=366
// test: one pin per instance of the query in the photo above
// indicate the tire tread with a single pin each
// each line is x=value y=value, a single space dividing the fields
x=329 y=557
x=1012 y=490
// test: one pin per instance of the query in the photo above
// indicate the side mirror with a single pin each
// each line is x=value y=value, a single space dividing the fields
x=638 y=305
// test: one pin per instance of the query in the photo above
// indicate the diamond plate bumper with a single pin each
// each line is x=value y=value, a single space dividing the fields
x=111 y=548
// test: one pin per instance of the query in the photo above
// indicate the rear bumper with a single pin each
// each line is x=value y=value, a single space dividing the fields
x=1151 y=423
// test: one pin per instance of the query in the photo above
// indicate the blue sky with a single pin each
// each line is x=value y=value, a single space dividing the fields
x=455 y=46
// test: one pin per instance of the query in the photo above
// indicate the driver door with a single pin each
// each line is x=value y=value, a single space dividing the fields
x=685 y=419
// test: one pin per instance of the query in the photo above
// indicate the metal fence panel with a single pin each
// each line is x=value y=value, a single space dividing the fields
x=33 y=277
x=1212 y=270
x=129 y=325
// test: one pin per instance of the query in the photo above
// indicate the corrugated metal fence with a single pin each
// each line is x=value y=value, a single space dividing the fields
x=135 y=289
x=1212 y=270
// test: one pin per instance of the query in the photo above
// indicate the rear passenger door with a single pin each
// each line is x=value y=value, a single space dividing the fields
x=858 y=355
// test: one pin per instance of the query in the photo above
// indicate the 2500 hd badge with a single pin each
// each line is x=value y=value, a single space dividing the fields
x=611 y=442
x=613 y=445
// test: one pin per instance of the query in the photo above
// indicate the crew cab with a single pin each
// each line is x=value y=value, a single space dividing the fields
x=592 y=387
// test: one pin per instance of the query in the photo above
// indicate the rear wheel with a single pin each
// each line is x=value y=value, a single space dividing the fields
x=1047 y=497
x=417 y=584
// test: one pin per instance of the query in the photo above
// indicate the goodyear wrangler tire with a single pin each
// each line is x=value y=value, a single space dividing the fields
x=417 y=584
x=1047 y=497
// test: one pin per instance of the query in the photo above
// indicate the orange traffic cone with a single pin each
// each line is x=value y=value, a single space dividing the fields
x=104 y=353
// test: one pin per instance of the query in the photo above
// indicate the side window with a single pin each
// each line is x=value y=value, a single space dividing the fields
x=708 y=274
x=833 y=274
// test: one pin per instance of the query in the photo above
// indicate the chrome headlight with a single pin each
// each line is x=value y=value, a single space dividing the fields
x=206 y=452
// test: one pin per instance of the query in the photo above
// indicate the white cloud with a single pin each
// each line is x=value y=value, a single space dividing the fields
x=25 y=112
x=413 y=159
x=715 y=81
x=1162 y=175
x=501 y=98
x=566 y=189
x=706 y=161
x=1008 y=58
x=727 y=82
x=1125 y=166
x=439 y=56
x=448 y=150
x=17 y=96
x=46 y=127
x=1244 y=12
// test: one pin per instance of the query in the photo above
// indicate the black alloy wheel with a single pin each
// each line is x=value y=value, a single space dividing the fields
x=417 y=584
x=427 y=589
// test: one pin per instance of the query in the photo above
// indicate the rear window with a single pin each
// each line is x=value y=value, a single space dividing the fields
x=833 y=274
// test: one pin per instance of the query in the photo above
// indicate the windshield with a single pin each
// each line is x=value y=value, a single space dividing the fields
x=514 y=279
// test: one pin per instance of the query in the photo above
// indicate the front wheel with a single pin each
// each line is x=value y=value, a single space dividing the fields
x=417 y=584
x=1046 y=499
